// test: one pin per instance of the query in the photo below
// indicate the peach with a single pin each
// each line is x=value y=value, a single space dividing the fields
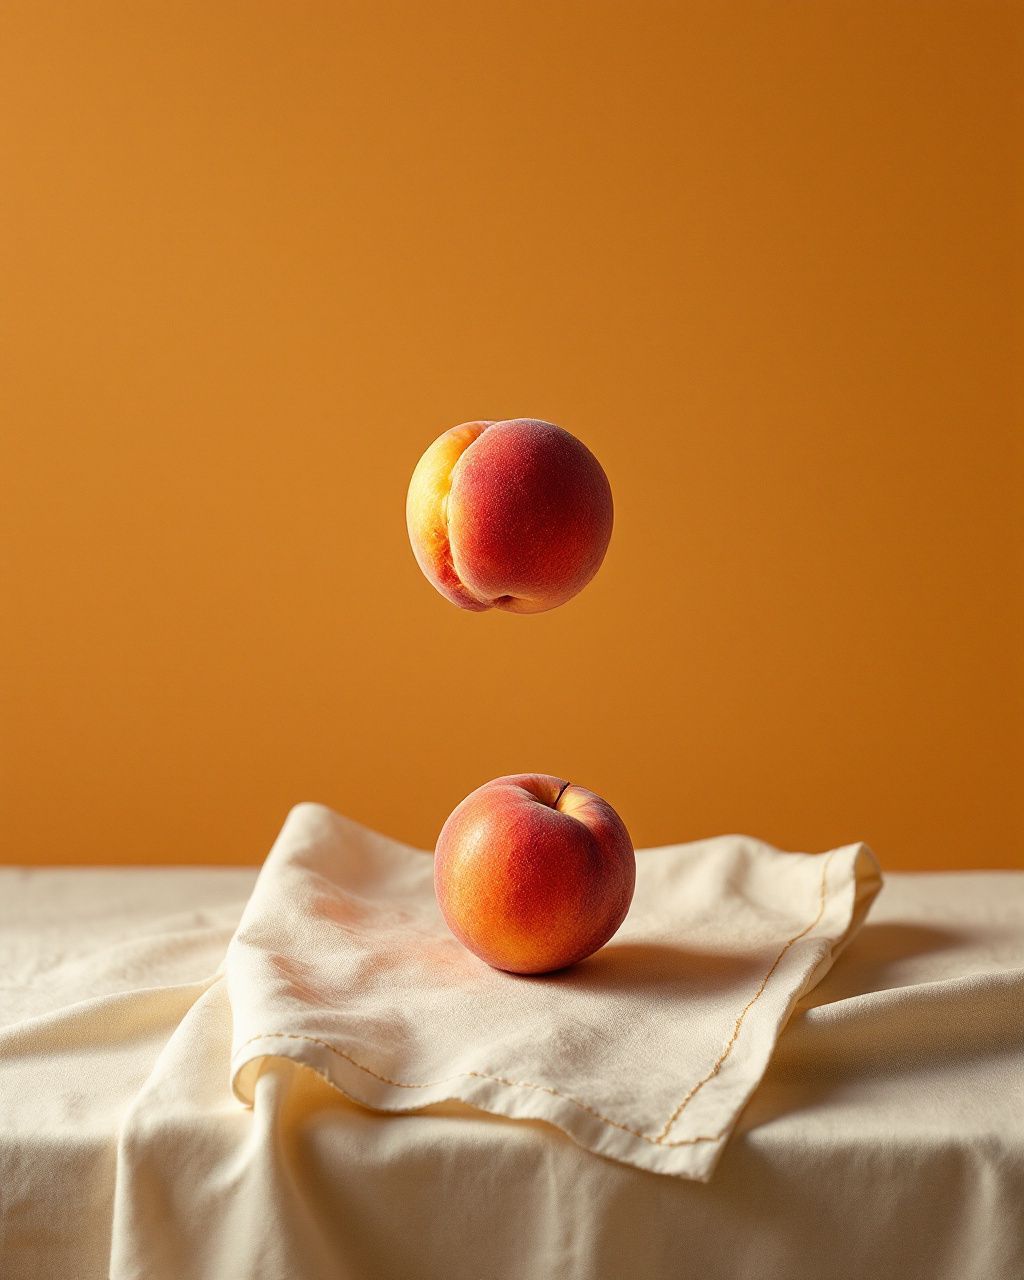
x=533 y=874
x=513 y=515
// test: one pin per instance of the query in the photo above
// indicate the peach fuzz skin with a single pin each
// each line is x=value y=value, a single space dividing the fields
x=514 y=515
x=533 y=874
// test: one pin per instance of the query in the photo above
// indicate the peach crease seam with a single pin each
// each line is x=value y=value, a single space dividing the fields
x=449 y=545
x=661 y=1138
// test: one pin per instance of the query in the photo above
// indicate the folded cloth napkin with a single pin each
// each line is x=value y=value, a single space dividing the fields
x=645 y=1053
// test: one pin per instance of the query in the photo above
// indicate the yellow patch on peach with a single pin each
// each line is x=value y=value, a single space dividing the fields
x=426 y=512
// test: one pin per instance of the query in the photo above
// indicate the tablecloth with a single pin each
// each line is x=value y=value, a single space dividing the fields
x=886 y=1138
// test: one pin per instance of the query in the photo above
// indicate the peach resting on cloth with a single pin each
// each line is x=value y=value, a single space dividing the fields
x=533 y=874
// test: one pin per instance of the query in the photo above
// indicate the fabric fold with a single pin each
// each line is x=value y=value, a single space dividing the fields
x=646 y=1053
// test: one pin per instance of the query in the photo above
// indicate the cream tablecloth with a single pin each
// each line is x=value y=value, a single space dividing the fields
x=887 y=1137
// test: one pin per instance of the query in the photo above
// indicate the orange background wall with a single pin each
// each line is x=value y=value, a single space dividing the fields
x=757 y=255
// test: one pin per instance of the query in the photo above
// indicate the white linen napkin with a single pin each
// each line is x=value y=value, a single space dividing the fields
x=644 y=1053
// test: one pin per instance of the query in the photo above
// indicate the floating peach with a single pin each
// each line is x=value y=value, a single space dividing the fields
x=533 y=874
x=512 y=515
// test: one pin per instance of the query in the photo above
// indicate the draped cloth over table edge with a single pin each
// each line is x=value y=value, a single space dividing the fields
x=342 y=963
